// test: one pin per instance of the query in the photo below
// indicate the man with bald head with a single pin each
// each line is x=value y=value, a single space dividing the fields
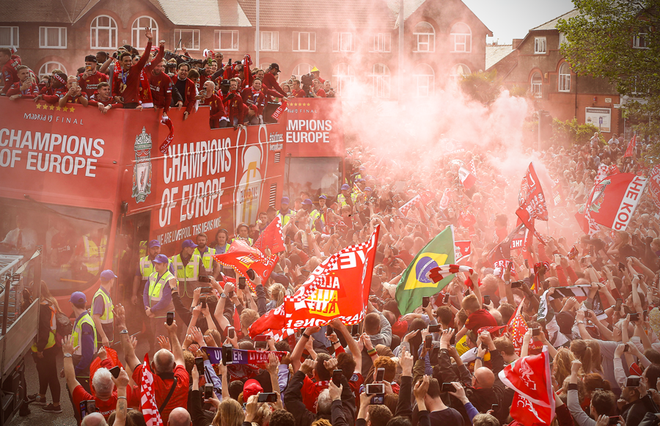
x=179 y=417
x=94 y=419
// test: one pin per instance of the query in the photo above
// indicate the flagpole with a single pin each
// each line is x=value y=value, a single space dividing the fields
x=507 y=239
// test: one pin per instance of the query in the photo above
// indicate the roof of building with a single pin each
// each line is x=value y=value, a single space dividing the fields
x=552 y=24
x=319 y=13
x=495 y=53
x=226 y=13
x=64 y=11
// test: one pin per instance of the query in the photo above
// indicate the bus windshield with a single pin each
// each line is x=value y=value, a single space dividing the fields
x=74 y=240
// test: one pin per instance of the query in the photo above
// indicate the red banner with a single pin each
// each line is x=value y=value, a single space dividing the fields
x=463 y=249
x=271 y=238
x=531 y=199
x=630 y=150
x=614 y=199
x=654 y=185
x=242 y=257
x=338 y=288
x=312 y=128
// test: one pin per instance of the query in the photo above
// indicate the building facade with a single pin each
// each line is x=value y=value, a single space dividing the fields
x=536 y=63
x=346 y=41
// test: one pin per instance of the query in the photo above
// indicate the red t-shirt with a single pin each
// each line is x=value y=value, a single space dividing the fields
x=162 y=388
x=310 y=392
x=90 y=84
x=480 y=318
x=104 y=407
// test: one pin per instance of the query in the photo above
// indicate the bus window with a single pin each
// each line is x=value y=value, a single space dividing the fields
x=319 y=175
x=74 y=240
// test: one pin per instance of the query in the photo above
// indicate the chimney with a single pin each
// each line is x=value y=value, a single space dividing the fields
x=516 y=42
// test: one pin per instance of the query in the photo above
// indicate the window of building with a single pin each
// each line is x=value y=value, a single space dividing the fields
x=270 y=41
x=380 y=81
x=564 y=84
x=140 y=25
x=342 y=42
x=52 y=37
x=459 y=71
x=226 y=40
x=342 y=76
x=103 y=33
x=381 y=42
x=539 y=45
x=8 y=36
x=49 y=67
x=424 y=80
x=640 y=40
x=302 y=69
x=424 y=37
x=304 y=41
x=562 y=40
x=537 y=85
x=188 y=38
x=461 y=38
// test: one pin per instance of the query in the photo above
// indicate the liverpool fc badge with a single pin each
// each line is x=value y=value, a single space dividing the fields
x=142 y=168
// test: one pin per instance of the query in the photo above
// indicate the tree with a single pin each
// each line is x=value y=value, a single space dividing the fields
x=619 y=40
x=481 y=86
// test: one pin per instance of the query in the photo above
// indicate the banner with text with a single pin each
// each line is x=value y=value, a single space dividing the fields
x=312 y=128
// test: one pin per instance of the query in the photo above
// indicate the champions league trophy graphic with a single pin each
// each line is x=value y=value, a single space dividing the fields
x=249 y=187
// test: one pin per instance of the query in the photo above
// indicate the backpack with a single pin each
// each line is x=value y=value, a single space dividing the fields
x=64 y=326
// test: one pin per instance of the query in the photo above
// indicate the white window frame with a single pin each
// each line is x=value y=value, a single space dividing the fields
x=138 y=40
x=380 y=81
x=380 y=43
x=299 y=35
x=13 y=37
x=540 y=46
x=274 y=41
x=194 y=37
x=44 y=68
x=340 y=41
x=454 y=71
x=297 y=68
x=424 y=42
x=564 y=78
x=424 y=83
x=640 y=40
x=111 y=28
x=343 y=75
x=536 y=87
x=43 y=38
x=234 y=40
x=461 y=42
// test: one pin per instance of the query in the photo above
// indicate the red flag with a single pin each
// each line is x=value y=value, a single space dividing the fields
x=170 y=137
x=630 y=151
x=242 y=257
x=531 y=200
x=654 y=185
x=280 y=109
x=404 y=209
x=271 y=237
x=529 y=377
x=467 y=178
x=517 y=327
x=463 y=249
x=613 y=201
x=148 y=396
x=338 y=288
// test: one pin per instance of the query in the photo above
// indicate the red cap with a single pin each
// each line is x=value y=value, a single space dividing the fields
x=251 y=387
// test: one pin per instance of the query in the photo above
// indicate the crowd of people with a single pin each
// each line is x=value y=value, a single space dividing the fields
x=237 y=93
x=437 y=364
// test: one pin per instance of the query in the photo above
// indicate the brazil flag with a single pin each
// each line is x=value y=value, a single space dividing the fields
x=415 y=282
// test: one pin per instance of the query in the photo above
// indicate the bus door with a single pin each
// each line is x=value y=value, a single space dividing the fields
x=132 y=244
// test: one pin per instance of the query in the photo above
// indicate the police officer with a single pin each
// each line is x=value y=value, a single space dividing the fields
x=346 y=198
x=318 y=215
x=102 y=308
x=284 y=212
x=211 y=266
x=144 y=270
x=83 y=338
x=157 y=296
x=187 y=266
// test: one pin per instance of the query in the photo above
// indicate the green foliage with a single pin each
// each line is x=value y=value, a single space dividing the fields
x=600 y=42
x=519 y=91
x=569 y=132
x=481 y=86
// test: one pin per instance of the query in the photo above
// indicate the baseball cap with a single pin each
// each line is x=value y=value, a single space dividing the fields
x=345 y=187
x=323 y=197
x=251 y=387
x=90 y=58
x=367 y=189
x=77 y=297
x=307 y=201
x=188 y=243
x=107 y=275
x=161 y=258
x=359 y=180
x=285 y=200
x=277 y=67
x=154 y=243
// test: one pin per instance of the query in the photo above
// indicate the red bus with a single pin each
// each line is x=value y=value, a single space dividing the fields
x=91 y=189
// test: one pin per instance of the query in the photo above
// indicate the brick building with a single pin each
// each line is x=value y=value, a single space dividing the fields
x=345 y=40
x=535 y=62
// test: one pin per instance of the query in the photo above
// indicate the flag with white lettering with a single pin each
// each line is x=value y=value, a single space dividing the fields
x=531 y=201
x=613 y=200
x=170 y=137
x=280 y=109
x=630 y=151
x=338 y=288
x=654 y=185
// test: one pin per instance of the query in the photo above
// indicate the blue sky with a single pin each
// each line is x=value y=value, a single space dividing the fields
x=509 y=19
